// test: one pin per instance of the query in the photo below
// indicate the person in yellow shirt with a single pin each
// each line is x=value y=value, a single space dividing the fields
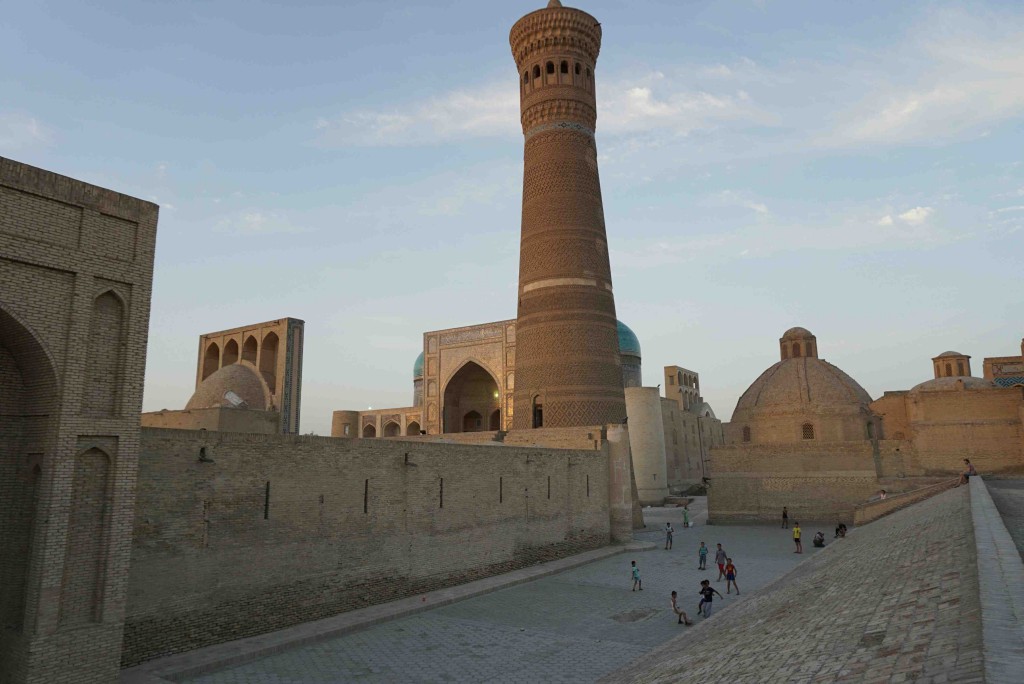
x=796 y=538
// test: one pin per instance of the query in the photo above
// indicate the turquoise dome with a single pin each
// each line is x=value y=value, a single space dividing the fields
x=417 y=368
x=628 y=343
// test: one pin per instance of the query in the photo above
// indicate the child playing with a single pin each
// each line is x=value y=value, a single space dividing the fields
x=702 y=556
x=730 y=577
x=683 y=619
x=668 y=535
x=637 y=584
x=707 y=593
x=796 y=538
x=720 y=558
x=686 y=516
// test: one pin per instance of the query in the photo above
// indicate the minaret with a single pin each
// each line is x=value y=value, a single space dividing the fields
x=568 y=371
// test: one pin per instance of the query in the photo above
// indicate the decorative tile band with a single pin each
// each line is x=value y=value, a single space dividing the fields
x=559 y=125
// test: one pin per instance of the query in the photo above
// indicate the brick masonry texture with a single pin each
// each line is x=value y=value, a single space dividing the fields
x=569 y=372
x=346 y=524
x=76 y=268
x=895 y=601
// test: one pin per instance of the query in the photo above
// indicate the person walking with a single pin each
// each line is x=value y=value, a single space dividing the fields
x=730 y=576
x=707 y=594
x=637 y=584
x=702 y=557
x=796 y=538
x=668 y=535
x=720 y=558
x=785 y=517
x=683 y=618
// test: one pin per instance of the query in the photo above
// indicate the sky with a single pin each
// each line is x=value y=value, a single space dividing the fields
x=853 y=168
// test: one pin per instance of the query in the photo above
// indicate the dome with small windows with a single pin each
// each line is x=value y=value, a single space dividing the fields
x=238 y=385
x=417 y=367
x=952 y=384
x=802 y=397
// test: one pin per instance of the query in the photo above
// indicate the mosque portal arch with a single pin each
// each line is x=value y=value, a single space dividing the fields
x=469 y=395
x=412 y=429
x=28 y=405
x=392 y=429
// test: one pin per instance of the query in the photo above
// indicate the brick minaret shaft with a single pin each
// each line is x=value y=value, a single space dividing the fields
x=568 y=371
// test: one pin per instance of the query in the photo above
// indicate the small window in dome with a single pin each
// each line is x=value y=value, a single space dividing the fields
x=949 y=370
x=564 y=68
x=796 y=350
x=960 y=368
x=807 y=349
x=808 y=431
x=550 y=67
x=746 y=433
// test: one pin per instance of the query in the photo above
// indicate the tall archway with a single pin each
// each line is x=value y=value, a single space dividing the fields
x=28 y=402
x=250 y=349
x=495 y=420
x=471 y=390
x=211 y=360
x=392 y=429
x=268 y=360
x=412 y=429
x=230 y=352
x=369 y=432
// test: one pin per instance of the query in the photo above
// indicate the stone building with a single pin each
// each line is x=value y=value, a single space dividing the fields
x=930 y=428
x=464 y=381
x=248 y=379
x=76 y=271
x=803 y=436
x=801 y=398
x=1005 y=371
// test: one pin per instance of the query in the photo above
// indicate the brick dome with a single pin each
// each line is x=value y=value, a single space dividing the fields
x=951 y=384
x=241 y=378
x=800 y=398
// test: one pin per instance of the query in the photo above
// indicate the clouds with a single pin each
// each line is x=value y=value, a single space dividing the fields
x=916 y=216
x=630 y=104
x=19 y=131
x=257 y=222
x=971 y=76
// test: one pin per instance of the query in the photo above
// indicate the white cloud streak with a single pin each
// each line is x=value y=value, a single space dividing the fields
x=916 y=216
x=20 y=131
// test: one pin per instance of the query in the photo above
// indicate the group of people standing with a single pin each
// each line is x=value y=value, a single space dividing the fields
x=707 y=593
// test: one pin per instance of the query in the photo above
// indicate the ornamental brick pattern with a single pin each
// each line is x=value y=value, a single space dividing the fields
x=76 y=269
x=568 y=368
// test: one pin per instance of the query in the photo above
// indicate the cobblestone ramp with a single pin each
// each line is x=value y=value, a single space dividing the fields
x=897 y=600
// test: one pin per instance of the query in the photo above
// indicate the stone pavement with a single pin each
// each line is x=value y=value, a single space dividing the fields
x=575 y=626
x=897 y=600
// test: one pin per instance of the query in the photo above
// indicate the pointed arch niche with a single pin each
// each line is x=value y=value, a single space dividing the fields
x=471 y=394
x=105 y=357
x=28 y=406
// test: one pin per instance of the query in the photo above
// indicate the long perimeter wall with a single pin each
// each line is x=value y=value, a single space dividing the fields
x=282 y=529
x=816 y=482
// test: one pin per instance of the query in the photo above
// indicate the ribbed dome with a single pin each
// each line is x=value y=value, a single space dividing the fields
x=417 y=368
x=950 y=384
x=241 y=378
x=628 y=342
x=949 y=353
x=802 y=381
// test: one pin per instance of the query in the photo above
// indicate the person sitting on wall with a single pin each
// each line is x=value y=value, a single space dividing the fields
x=819 y=540
x=840 y=530
x=968 y=471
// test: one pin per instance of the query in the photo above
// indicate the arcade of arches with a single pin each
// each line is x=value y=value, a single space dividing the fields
x=471 y=401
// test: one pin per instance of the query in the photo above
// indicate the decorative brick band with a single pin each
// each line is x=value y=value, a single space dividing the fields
x=559 y=126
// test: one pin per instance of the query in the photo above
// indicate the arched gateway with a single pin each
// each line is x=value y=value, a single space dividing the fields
x=469 y=395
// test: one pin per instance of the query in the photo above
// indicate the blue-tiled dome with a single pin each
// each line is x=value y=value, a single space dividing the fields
x=628 y=343
x=417 y=368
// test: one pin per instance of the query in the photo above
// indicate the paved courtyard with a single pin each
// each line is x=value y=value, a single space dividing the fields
x=1008 y=496
x=575 y=626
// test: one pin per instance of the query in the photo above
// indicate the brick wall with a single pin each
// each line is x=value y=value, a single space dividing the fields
x=215 y=419
x=820 y=482
x=347 y=523
x=76 y=267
